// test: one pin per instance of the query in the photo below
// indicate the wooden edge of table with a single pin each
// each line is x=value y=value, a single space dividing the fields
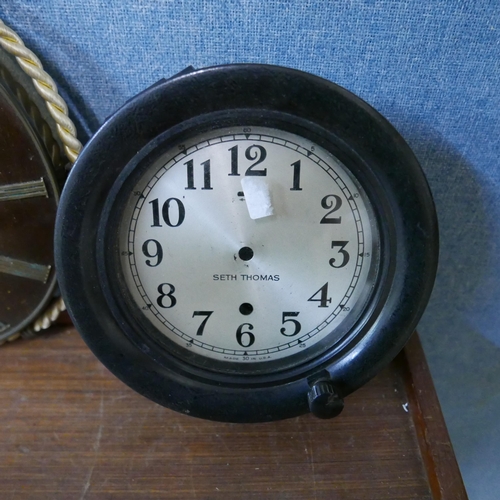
x=443 y=473
x=434 y=442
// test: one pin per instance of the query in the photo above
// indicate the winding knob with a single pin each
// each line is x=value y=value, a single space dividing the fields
x=324 y=402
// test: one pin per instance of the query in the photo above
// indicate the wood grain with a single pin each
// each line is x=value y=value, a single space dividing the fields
x=72 y=430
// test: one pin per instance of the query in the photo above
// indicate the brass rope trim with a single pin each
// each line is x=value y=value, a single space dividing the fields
x=45 y=86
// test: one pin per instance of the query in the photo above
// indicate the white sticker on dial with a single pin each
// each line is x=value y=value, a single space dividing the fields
x=257 y=197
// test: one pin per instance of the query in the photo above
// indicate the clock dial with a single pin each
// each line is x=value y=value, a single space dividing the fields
x=249 y=245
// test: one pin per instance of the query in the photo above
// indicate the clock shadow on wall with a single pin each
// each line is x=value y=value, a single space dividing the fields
x=465 y=365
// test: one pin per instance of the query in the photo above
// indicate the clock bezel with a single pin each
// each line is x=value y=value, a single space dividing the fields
x=409 y=246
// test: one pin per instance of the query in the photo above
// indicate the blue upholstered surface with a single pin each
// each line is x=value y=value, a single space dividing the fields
x=433 y=68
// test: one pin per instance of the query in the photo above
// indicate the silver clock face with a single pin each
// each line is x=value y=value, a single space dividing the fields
x=249 y=245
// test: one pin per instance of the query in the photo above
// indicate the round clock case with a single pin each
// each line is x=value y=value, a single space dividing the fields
x=246 y=243
x=31 y=175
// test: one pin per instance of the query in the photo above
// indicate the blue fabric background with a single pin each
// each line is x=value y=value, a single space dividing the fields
x=431 y=67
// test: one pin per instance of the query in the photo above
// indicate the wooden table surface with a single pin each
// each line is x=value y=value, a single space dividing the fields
x=71 y=430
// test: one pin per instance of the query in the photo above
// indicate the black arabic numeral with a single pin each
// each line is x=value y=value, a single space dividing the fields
x=259 y=153
x=156 y=213
x=253 y=152
x=181 y=212
x=296 y=176
x=158 y=254
x=190 y=174
x=170 y=294
x=206 y=175
x=344 y=253
x=240 y=335
x=327 y=203
x=323 y=296
x=234 y=160
x=287 y=317
x=207 y=315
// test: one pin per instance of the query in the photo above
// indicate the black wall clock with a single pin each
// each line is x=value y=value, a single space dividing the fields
x=246 y=243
